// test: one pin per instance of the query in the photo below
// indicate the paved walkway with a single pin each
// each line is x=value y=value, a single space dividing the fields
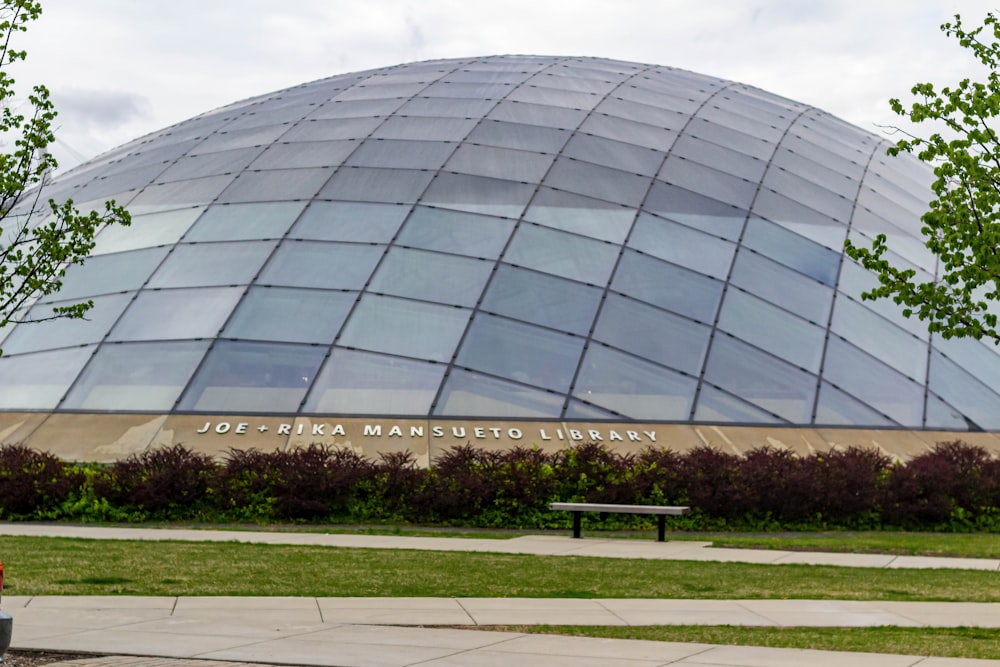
x=387 y=632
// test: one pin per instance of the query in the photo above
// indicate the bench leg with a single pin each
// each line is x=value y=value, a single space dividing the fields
x=576 y=524
x=661 y=528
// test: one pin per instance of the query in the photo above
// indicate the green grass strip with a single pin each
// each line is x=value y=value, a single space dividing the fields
x=59 y=566
x=983 y=643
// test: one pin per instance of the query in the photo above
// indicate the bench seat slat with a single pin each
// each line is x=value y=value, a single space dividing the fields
x=621 y=509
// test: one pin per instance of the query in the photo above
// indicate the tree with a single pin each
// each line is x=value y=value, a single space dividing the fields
x=39 y=238
x=962 y=225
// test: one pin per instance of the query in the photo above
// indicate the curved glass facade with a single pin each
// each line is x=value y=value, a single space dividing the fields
x=503 y=237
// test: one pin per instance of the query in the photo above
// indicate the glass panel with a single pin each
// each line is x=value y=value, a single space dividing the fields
x=880 y=338
x=500 y=163
x=451 y=231
x=596 y=181
x=668 y=286
x=537 y=114
x=431 y=276
x=877 y=385
x=120 y=272
x=276 y=185
x=715 y=405
x=253 y=377
x=245 y=222
x=136 y=376
x=399 y=154
x=223 y=140
x=329 y=130
x=542 y=299
x=581 y=215
x=182 y=313
x=410 y=328
x=855 y=279
x=982 y=359
x=643 y=113
x=292 y=315
x=583 y=412
x=38 y=381
x=719 y=157
x=349 y=221
x=146 y=231
x=694 y=210
x=778 y=284
x=800 y=219
x=518 y=135
x=401 y=186
x=208 y=264
x=358 y=109
x=302 y=155
x=360 y=383
x=815 y=172
x=748 y=144
x=708 y=181
x=810 y=194
x=838 y=409
x=633 y=388
x=573 y=257
x=209 y=164
x=652 y=334
x=451 y=107
x=560 y=98
x=468 y=394
x=629 y=131
x=792 y=250
x=478 y=194
x=679 y=244
x=964 y=392
x=425 y=129
x=940 y=415
x=63 y=332
x=322 y=265
x=520 y=352
x=761 y=379
x=614 y=154
x=194 y=192
x=772 y=329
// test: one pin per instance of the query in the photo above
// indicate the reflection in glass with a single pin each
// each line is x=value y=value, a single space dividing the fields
x=64 y=331
x=253 y=377
x=178 y=313
x=581 y=215
x=715 y=405
x=120 y=272
x=349 y=221
x=321 y=265
x=478 y=194
x=772 y=329
x=362 y=383
x=245 y=222
x=668 y=286
x=37 y=381
x=468 y=394
x=212 y=264
x=632 y=387
x=430 y=276
x=520 y=352
x=652 y=334
x=682 y=245
x=135 y=376
x=288 y=314
x=453 y=231
x=566 y=255
x=408 y=328
x=542 y=299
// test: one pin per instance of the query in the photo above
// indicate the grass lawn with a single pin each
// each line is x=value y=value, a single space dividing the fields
x=983 y=643
x=59 y=566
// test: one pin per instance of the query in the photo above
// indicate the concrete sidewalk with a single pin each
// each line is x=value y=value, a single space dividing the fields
x=385 y=632
x=543 y=545
x=392 y=632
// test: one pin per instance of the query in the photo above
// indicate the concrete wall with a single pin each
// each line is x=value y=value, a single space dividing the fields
x=109 y=437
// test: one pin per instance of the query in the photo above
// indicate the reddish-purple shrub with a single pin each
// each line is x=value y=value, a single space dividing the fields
x=778 y=484
x=172 y=482
x=396 y=480
x=32 y=482
x=317 y=481
x=849 y=483
x=713 y=484
x=930 y=487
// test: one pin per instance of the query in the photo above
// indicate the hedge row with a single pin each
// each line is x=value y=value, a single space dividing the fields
x=954 y=487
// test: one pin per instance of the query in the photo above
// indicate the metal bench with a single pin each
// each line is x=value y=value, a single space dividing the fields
x=661 y=512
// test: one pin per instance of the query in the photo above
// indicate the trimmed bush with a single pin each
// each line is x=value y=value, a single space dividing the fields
x=34 y=484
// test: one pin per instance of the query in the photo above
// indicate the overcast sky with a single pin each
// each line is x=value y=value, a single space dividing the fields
x=121 y=68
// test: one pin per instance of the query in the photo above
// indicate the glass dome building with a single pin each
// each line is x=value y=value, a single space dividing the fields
x=503 y=238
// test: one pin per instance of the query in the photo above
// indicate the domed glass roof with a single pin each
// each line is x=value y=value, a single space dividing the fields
x=511 y=236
